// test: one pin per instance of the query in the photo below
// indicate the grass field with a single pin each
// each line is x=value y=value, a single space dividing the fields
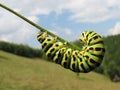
x=20 y=73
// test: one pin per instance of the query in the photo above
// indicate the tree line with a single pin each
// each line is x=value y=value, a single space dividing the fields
x=20 y=49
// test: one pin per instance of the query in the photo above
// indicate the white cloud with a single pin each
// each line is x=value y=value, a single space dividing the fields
x=93 y=10
x=67 y=31
x=82 y=10
x=64 y=32
x=13 y=29
x=116 y=29
x=36 y=7
x=61 y=30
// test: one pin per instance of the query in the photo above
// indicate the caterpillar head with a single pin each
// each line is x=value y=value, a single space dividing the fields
x=83 y=37
x=41 y=36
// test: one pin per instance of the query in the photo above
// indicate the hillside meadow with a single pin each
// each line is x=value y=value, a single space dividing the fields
x=20 y=73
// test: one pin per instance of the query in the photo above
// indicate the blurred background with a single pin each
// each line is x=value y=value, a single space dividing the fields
x=24 y=64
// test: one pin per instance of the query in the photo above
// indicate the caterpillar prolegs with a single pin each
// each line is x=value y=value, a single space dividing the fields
x=85 y=60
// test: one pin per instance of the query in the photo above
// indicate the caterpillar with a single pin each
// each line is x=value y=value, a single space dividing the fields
x=84 y=61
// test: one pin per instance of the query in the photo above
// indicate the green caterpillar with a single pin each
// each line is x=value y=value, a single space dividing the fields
x=84 y=61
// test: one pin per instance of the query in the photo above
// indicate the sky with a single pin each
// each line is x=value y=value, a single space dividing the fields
x=65 y=18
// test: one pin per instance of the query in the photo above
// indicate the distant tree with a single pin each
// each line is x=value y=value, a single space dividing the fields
x=20 y=49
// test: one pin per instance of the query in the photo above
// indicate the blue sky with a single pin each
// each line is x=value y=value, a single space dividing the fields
x=66 y=18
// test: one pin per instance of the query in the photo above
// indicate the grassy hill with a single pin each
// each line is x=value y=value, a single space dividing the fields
x=20 y=73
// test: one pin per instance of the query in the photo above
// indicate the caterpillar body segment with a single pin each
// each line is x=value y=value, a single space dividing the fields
x=78 y=61
x=66 y=58
x=59 y=55
x=53 y=49
x=90 y=37
x=47 y=43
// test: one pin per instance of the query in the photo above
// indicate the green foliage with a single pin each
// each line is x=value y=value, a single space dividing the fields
x=111 y=62
x=22 y=50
